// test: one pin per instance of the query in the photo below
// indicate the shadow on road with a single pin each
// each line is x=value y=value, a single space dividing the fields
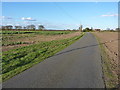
x=86 y=47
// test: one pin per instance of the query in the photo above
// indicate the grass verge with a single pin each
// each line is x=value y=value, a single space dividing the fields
x=17 y=60
x=109 y=77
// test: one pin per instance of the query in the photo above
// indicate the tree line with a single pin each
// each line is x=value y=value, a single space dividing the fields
x=41 y=27
x=31 y=27
x=92 y=30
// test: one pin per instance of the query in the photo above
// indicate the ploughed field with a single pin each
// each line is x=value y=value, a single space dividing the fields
x=111 y=38
x=23 y=49
x=109 y=44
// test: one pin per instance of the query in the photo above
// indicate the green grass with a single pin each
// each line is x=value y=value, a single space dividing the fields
x=110 y=78
x=15 y=36
x=17 y=60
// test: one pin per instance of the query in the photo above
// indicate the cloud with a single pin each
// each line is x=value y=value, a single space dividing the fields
x=110 y=15
x=28 y=19
x=4 y=17
x=9 y=24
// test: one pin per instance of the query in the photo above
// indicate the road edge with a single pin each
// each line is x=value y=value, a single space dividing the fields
x=104 y=59
x=103 y=77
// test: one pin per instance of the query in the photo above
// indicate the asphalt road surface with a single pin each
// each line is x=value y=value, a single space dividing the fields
x=77 y=66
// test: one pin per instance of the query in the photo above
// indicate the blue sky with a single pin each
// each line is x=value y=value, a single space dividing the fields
x=61 y=15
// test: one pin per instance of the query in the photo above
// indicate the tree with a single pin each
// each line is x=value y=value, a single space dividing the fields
x=108 y=29
x=74 y=29
x=8 y=27
x=87 y=30
x=41 y=27
x=117 y=29
x=18 y=27
x=3 y=27
x=31 y=27
x=24 y=27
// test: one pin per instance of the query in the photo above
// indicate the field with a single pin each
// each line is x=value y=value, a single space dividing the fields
x=32 y=48
x=109 y=46
x=16 y=39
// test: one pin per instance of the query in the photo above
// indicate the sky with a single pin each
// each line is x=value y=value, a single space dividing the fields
x=61 y=15
x=60 y=0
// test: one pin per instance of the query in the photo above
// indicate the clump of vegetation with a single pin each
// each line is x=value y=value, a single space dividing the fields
x=87 y=30
x=13 y=43
x=109 y=76
x=17 y=60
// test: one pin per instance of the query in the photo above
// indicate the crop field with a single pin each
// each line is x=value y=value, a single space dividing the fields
x=18 y=59
x=16 y=39
x=37 y=32
x=109 y=47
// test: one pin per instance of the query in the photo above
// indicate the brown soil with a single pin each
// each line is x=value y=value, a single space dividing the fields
x=110 y=40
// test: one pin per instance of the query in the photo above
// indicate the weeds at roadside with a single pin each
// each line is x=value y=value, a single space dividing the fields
x=109 y=77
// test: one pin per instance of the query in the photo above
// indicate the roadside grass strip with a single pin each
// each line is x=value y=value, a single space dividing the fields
x=110 y=78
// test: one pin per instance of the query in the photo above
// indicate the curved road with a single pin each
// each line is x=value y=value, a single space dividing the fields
x=77 y=66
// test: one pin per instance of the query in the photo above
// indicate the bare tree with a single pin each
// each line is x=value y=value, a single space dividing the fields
x=31 y=27
x=18 y=27
x=108 y=29
x=3 y=27
x=24 y=27
x=117 y=29
x=41 y=27
x=7 y=27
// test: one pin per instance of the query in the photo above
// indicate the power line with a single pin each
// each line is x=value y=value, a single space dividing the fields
x=66 y=13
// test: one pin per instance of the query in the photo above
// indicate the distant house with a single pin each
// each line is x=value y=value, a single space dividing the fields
x=97 y=30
